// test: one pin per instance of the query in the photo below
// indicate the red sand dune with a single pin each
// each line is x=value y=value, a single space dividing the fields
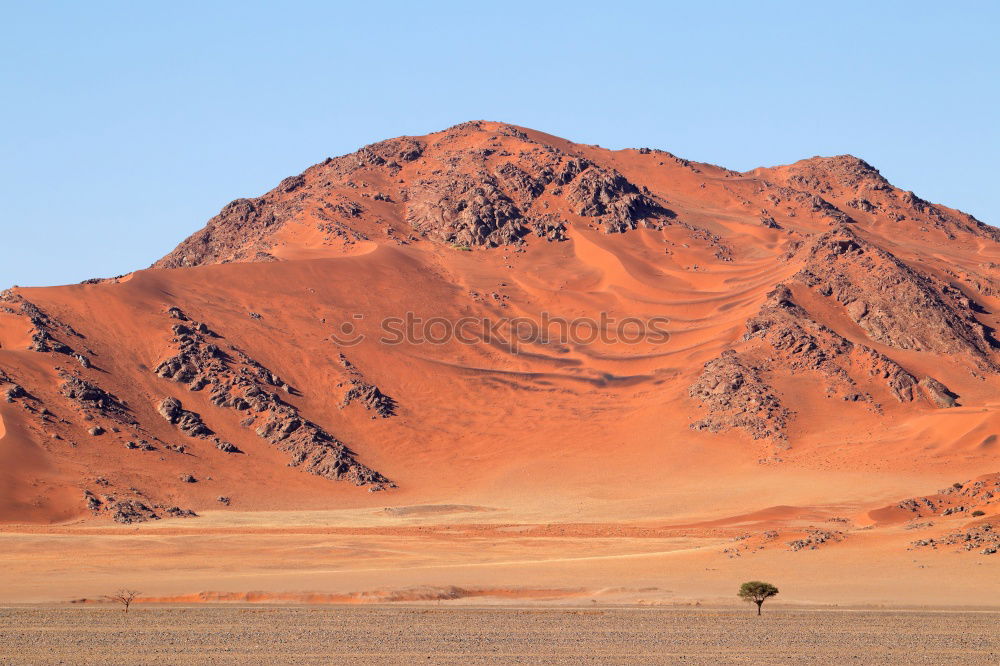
x=830 y=353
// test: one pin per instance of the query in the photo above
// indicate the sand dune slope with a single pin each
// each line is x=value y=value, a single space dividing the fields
x=555 y=333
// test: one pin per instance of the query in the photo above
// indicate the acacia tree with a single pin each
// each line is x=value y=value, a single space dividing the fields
x=757 y=591
x=125 y=597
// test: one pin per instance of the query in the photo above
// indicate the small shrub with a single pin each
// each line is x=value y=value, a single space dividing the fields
x=977 y=513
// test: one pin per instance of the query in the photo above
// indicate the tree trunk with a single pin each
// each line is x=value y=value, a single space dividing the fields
x=759 y=604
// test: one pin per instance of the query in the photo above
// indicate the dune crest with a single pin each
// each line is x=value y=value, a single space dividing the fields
x=643 y=338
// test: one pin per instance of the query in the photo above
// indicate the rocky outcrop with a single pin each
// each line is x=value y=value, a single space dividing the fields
x=237 y=381
x=497 y=206
x=618 y=204
x=135 y=508
x=237 y=233
x=959 y=499
x=468 y=210
x=46 y=330
x=369 y=395
x=733 y=391
x=9 y=389
x=127 y=512
x=469 y=194
x=938 y=393
x=892 y=303
x=814 y=538
x=90 y=396
x=186 y=421
x=861 y=187
x=984 y=539
x=800 y=343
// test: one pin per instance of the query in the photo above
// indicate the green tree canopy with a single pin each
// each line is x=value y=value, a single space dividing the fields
x=757 y=591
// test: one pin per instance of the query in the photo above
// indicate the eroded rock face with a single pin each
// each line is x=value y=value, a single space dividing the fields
x=938 y=393
x=237 y=233
x=9 y=389
x=617 y=203
x=735 y=395
x=46 y=330
x=466 y=210
x=186 y=421
x=892 y=303
x=90 y=396
x=469 y=194
x=860 y=186
x=801 y=343
x=237 y=381
x=369 y=395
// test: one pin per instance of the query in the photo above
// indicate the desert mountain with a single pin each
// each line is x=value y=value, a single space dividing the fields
x=821 y=322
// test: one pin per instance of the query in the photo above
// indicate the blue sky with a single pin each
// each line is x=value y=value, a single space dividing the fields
x=126 y=125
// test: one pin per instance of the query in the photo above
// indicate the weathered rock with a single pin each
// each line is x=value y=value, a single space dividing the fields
x=188 y=422
x=90 y=396
x=938 y=393
x=891 y=302
x=239 y=382
x=371 y=397
x=132 y=511
x=736 y=396
x=12 y=392
x=608 y=195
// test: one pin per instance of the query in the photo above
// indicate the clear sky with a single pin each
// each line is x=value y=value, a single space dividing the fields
x=126 y=125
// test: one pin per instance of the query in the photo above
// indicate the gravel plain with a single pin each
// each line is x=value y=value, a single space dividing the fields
x=504 y=635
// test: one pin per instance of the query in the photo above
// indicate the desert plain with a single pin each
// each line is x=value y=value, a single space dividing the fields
x=229 y=434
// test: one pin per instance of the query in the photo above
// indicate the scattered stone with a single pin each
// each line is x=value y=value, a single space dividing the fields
x=938 y=393
x=815 y=538
x=736 y=396
x=89 y=396
x=239 y=382
x=188 y=422
x=982 y=538
x=132 y=511
x=371 y=397
x=177 y=512
x=12 y=392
